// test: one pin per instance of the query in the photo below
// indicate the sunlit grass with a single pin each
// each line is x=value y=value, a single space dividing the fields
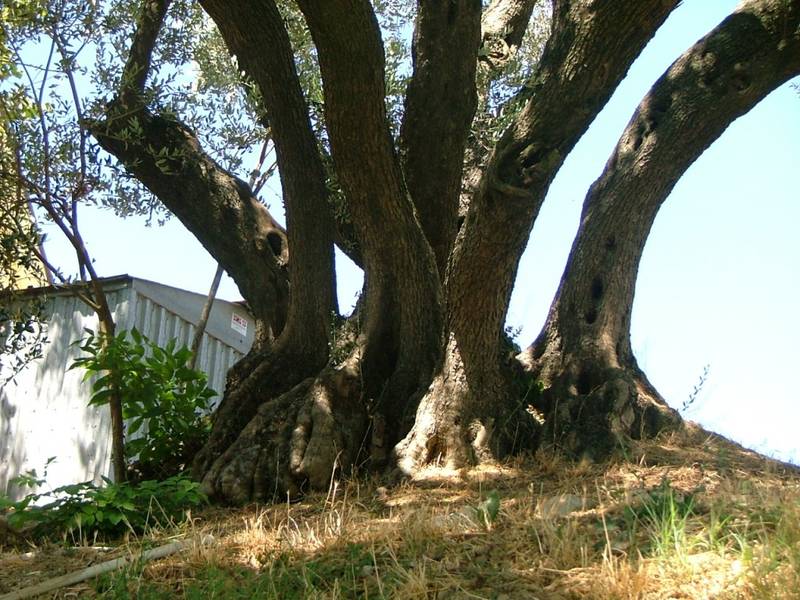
x=684 y=517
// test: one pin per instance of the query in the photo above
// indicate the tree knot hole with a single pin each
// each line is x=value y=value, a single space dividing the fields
x=596 y=289
x=275 y=241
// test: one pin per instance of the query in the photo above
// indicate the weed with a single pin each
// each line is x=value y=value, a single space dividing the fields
x=87 y=511
x=163 y=401
x=698 y=387
x=664 y=516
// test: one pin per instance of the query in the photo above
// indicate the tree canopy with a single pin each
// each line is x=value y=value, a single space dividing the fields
x=421 y=140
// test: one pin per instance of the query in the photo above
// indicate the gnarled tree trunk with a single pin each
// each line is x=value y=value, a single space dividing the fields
x=596 y=396
x=471 y=412
x=426 y=377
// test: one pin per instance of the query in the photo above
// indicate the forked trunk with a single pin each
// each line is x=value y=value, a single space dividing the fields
x=477 y=406
x=289 y=419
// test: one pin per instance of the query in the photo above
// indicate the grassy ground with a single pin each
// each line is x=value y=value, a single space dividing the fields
x=687 y=516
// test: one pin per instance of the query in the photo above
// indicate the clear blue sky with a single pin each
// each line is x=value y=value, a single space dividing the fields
x=719 y=282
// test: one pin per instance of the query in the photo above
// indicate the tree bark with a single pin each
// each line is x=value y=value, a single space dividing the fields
x=402 y=318
x=167 y=158
x=258 y=25
x=596 y=393
x=302 y=349
x=588 y=54
x=206 y=199
x=503 y=26
x=323 y=421
x=427 y=337
x=439 y=107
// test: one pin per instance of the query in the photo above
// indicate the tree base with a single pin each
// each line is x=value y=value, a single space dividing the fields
x=597 y=413
x=295 y=442
x=468 y=418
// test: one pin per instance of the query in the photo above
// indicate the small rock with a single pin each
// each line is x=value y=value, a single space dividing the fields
x=562 y=505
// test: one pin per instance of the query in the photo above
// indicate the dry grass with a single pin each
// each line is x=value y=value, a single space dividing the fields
x=688 y=516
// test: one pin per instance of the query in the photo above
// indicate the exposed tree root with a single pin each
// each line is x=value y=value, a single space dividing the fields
x=592 y=410
x=294 y=442
x=331 y=426
x=275 y=373
x=467 y=417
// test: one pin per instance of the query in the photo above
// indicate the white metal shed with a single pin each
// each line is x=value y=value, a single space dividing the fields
x=44 y=411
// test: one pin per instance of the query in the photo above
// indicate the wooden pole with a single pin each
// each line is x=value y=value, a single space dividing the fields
x=201 y=326
x=104 y=567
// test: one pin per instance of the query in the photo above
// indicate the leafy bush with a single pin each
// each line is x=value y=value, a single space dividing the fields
x=163 y=400
x=108 y=511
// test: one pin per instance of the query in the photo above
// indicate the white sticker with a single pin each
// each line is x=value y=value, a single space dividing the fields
x=239 y=324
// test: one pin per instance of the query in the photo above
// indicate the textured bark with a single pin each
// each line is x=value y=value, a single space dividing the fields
x=586 y=57
x=249 y=27
x=440 y=104
x=402 y=319
x=583 y=353
x=289 y=421
x=469 y=415
x=254 y=249
x=301 y=350
x=589 y=53
x=207 y=200
x=503 y=26
x=296 y=442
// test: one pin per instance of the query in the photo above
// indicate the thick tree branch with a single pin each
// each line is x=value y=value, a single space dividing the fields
x=440 y=104
x=219 y=209
x=248 y=28
x=717 y=80
x=403 y=300
x=589 y=52
x=137 y=67
x=351 y=59
x=503 y=26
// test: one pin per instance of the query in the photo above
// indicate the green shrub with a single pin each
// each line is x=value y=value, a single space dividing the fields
x=163 y=400
x=109 y=511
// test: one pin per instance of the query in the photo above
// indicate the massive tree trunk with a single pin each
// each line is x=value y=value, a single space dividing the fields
x=425 y=371
x=595 y=393
x=237 y=229
x=403 y=310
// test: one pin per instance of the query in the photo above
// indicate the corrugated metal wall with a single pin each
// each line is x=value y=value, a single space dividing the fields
x=161 y=325
x=44 y=411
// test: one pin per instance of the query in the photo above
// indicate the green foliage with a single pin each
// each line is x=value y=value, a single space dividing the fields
x=689 y=402
x=488 y=510
x=22 y=333
x=506 y=85
x=163 y=400
x=91 y=511
x=341 y=338
x=351 y=571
